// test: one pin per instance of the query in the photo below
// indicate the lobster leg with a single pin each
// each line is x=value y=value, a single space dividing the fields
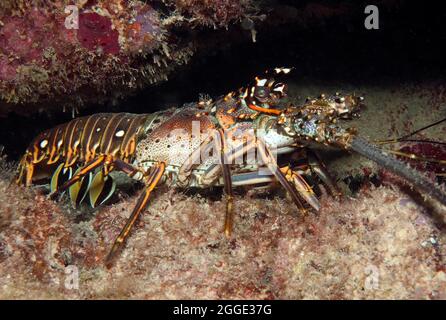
x=295 y=186
x=305 y=191
x=251 y=178
x=292 y=176
x=217 y=140
x=214 y=172
x=22 y=171
x=229 y=217
x=152 y=180
x=318 y=167
x=194 y=159
x=128 y=169
x=105 y=160
x=25 y=171
x=29 y=174
x=220 y=143
x=271 y=163
x=89 y=167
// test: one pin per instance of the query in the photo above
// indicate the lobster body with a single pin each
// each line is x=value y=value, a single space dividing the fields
x=172 y=137
x=232 y=141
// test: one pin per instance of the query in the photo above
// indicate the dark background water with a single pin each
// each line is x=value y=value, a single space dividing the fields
x=408 y=47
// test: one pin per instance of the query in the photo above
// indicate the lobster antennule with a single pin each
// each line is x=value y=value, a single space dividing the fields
x=372 y=152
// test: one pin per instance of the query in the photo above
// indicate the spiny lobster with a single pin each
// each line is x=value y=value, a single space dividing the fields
x=205 y=144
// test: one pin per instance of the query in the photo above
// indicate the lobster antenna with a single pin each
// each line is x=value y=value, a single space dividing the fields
x=421 y=129
x=424 y=141
x=404 y=138
x=372 y=152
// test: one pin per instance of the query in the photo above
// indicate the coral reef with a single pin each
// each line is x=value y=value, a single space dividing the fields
x=381 y=244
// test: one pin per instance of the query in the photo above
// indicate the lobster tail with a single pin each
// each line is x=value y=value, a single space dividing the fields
x=372 y=152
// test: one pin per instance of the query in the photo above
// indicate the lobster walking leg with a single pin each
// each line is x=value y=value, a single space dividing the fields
x=107 y=160
x=195 y=159
x=29 y=174
x=23 y=172
x=128 y=169
x=89 y=167
x=214 y=172
x=226 y=169
x=251 y=178
x=271 y=163
x=152 y=181
x=302 y=187
x=318 y=167
x=296 y=186
x=217 y=140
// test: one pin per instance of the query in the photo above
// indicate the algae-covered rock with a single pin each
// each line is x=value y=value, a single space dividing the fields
x=66 y=54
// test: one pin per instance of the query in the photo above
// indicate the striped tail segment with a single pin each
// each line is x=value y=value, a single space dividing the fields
x=73 y=144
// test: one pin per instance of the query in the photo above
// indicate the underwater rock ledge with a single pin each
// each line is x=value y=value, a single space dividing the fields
x=64 y=54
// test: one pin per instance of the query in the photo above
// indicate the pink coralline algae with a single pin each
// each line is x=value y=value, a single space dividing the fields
x=96 y=33
x=23 y=39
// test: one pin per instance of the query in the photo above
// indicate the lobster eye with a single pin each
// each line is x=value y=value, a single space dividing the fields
x=261 y=93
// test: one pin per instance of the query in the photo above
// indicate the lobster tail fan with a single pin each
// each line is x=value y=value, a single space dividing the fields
x=101 y=188
x=60 y=176
x=79 y=190
x=372 y=152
